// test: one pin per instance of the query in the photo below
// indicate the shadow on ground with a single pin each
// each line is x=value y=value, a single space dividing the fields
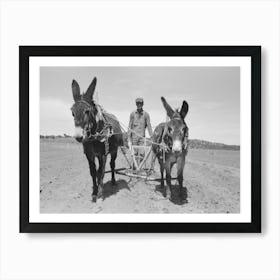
x=110 y=189
x=177 y=197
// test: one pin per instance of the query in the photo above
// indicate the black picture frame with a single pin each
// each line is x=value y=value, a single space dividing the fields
x=25 y=52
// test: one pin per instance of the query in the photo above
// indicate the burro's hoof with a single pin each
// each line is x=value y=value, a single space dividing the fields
x=184 y=195
x=94 y=198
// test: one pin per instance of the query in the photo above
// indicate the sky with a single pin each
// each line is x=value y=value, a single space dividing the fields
x=213 y=95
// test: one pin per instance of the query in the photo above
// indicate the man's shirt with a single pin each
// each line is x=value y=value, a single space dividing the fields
x=138 y=121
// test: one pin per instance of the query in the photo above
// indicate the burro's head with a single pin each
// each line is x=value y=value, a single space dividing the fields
x=83 y=110
x=176 y=131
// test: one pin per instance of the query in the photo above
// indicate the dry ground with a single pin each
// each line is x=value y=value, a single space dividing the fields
x=212 y=178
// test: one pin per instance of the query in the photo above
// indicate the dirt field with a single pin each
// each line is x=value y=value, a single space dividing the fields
x=212 y=178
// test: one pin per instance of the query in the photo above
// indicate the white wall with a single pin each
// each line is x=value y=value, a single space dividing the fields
x=123 y=256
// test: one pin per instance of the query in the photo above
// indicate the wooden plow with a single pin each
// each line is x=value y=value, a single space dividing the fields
x=140 y=167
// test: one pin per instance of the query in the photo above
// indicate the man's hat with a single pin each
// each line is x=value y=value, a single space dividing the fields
x=139 y=99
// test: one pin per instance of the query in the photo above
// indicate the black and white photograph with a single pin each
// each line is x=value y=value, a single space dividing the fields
x=139 y=140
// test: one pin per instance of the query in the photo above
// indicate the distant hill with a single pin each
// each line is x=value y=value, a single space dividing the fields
x=194 y=143
x=202 y=144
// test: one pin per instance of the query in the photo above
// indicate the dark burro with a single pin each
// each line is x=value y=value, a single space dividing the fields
x=173 y=139
x=98 y=131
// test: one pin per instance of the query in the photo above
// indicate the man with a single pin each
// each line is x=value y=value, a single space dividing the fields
x=138 y=122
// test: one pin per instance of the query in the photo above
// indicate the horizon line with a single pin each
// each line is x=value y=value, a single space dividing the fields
x=213 y=142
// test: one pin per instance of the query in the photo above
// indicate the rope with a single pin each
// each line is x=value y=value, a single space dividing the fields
x=143 y=137
x=163 y=146
x=107 y=126
x=129 y=129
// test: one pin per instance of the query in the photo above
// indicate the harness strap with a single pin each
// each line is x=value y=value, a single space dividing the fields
x=163 y=146
x=106 y=146
x=186 y=141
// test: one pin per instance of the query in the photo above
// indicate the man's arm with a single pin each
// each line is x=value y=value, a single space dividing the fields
x=148 y=123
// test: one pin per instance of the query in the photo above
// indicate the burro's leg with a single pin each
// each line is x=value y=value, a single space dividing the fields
x=113 y=164
x=180 y=170
x=161 y=164
x=168 y=167
x=157 y=153
x=101 y=172
x=92 y=169
x=88 y=151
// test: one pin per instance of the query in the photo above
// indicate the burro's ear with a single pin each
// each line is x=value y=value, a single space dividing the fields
x=90 y=91
x=169 y=110
x=184 y=109
x=76 y=91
